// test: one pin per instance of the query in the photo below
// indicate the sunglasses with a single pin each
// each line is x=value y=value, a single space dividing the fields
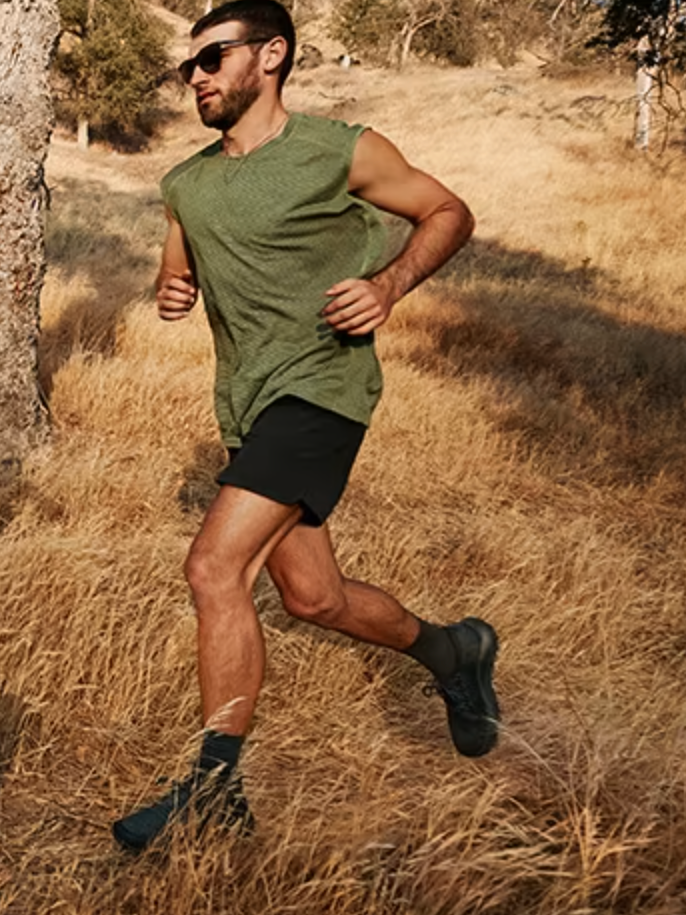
x=209 y=59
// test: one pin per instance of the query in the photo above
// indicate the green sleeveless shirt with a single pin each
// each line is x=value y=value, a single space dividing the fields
x=270 y=232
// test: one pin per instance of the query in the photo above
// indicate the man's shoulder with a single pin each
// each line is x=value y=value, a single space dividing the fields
x=188 y=166
x=324 y=130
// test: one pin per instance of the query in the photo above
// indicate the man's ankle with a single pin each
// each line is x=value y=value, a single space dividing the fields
x=435 y=650
x=219 y=749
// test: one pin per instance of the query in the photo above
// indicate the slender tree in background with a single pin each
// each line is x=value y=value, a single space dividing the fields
x=387 y=31
x=445 y=30
x=28 y=32
x=111 y=62
x=654 y=33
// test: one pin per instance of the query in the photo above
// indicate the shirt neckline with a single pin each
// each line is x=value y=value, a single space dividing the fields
x=280 y=137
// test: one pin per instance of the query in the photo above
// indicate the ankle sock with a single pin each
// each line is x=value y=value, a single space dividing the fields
x=434 y=648
x=219 y=749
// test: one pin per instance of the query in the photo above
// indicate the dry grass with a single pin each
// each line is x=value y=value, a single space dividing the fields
x=526 y=464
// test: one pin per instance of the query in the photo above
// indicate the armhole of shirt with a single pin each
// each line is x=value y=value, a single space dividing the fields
x=357 y=130
x=170 y=180
x=166 y=187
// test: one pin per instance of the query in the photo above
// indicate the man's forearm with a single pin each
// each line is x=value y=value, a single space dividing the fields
x=432 y=242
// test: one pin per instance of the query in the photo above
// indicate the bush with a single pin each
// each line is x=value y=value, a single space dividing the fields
x=190 y=9
x=110 y=64
x=367 y=27
x=454 y=38
x=385 y=31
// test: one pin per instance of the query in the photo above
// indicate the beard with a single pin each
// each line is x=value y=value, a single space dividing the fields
x=224 y=111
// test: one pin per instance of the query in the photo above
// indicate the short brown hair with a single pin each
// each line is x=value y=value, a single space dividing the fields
x=261 y=19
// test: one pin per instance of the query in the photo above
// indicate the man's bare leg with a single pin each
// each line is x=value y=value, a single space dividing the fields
x=239 y=532
x=460 y=655
x=305 y=571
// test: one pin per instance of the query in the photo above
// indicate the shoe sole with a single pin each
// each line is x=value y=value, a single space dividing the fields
x=488 y=651
x=243 y=828
x=128 y=841
x=481 y=670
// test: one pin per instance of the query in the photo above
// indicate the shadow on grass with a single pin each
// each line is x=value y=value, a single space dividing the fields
x=599 y=396
x=106 y=241
x=199 y=487
x=10 y=489
x=13 y=716
x=138 y=139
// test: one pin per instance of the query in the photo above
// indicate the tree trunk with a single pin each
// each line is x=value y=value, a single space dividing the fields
x=645 y=85
x=83 y=133
x=407 y=35
x=410 y=29
x=83 y=123
x=28 y=32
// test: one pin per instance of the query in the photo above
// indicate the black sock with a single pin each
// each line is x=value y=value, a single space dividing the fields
x=219 y=750
x=434 y=648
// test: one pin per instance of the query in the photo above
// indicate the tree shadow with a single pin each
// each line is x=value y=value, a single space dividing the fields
x=603 y=397
x=138 y=139
x=93 y=240
x=199 y=486
x=15 y=718
x=10 y=489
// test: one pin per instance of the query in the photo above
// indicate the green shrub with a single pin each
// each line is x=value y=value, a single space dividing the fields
x=110 y=64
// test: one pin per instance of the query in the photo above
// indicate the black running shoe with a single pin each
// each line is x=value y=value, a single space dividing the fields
x=469 y=695
x=207 y=797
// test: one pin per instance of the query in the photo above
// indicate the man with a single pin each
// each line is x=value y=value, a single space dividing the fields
x=277 y=224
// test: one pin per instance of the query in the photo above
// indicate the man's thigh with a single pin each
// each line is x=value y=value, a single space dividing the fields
x=303 y=566
x=241 y=529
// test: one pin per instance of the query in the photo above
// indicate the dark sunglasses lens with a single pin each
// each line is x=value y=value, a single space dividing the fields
x=209 y=60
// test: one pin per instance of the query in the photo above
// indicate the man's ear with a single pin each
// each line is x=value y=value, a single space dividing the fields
x=273 y=54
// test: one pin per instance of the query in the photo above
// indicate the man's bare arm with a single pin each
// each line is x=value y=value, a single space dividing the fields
x=442 y=225
x=176 y=285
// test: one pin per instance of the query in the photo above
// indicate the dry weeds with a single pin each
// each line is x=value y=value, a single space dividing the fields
x=526 y=464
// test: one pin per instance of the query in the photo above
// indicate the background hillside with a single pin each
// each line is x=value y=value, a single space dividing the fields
x=526 y=465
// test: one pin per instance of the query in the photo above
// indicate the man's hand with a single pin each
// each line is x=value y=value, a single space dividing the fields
x=358 y=307
x=176 y=296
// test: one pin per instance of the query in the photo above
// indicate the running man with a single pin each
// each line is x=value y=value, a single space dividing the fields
x=277 y=224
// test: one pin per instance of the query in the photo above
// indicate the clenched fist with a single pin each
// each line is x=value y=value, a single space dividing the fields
x=176 y=295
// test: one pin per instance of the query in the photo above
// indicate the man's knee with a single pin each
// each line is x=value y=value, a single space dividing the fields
x=208 y=574
x=314 y=605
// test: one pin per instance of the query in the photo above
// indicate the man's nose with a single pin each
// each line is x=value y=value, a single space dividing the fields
x=198 y=76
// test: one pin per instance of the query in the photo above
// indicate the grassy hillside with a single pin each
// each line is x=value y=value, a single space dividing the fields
x=527 y=464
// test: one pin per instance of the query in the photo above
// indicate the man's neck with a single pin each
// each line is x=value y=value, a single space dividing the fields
x=263 y=122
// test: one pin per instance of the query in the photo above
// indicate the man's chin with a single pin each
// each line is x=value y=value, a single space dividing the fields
x=213 y=119
x=207 y=115
x=215 y=122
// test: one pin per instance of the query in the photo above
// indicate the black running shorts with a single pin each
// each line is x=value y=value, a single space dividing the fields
x=297 y=453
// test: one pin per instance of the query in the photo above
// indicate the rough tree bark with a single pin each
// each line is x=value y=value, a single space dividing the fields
x=28 y=32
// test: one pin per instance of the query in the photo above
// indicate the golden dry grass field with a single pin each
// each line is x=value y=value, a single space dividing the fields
x=527 y=464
